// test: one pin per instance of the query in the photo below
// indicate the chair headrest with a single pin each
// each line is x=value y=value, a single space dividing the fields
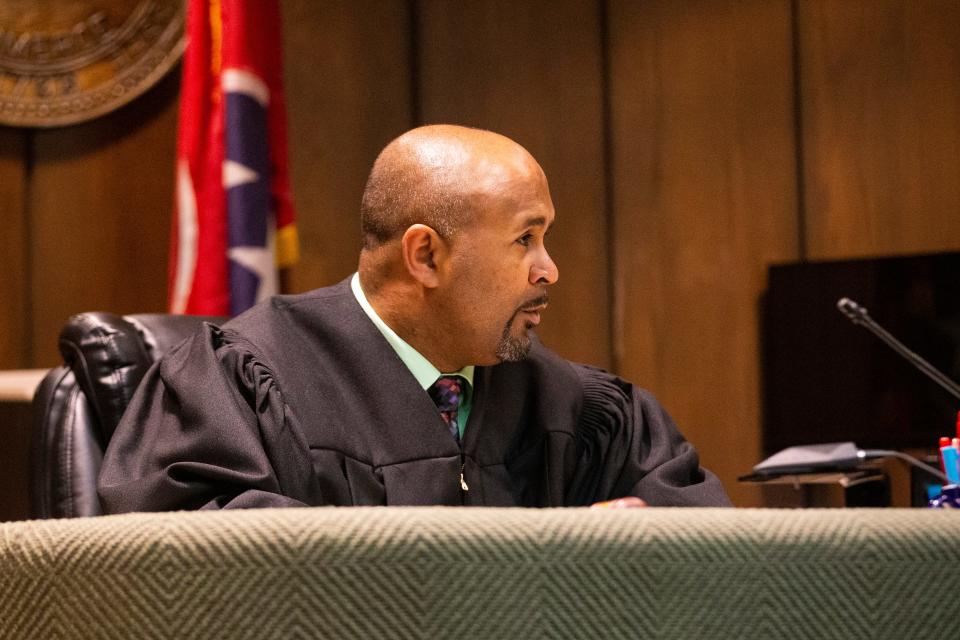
x=109 y=354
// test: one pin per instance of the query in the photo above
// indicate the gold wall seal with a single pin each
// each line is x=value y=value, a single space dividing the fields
x=64 y=61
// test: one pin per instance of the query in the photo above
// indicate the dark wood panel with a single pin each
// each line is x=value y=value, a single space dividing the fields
x=101 y=197
x=14 y=318
x=15 y=427
x=347 y=78
x=704 y=198
x=881 y=126
x=533 y=71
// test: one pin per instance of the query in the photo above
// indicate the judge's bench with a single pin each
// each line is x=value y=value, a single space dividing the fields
x=445 y=572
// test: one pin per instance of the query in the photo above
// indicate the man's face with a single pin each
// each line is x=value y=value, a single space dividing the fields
x=500 y=269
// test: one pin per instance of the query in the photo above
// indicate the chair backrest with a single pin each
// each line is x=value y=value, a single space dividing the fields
x=78 y=406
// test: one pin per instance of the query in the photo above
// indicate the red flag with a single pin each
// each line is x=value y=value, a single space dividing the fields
x=235 y=222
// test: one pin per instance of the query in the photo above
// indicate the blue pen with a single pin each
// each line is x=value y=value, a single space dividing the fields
x=951 y=458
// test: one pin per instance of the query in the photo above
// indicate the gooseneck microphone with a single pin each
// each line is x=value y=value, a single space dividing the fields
x=859 y=316
x=847 y=455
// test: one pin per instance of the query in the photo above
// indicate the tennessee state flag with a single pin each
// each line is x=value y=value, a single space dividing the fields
x=235 y=223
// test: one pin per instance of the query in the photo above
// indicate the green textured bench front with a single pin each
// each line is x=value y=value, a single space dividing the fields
x=493 y=573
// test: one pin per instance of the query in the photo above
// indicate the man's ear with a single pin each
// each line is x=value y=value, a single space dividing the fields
x=423 y=249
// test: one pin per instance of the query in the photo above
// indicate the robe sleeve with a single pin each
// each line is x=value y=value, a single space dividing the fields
x=627 y=445
x=207 y=428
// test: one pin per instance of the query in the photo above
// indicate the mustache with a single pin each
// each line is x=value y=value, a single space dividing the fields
x=535 y=302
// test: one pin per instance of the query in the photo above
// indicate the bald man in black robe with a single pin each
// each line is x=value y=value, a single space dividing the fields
x=418 y=381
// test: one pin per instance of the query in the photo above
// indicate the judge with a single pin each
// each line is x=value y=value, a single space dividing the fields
x=417 y=381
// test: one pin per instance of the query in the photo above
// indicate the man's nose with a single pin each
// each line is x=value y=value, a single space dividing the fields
x=544 y=271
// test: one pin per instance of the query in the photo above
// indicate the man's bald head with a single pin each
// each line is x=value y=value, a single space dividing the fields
x=436 y=175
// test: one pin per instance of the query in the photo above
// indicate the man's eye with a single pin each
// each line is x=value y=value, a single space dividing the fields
x=525 y=239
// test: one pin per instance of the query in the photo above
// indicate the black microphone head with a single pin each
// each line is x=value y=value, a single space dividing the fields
x=852 y=310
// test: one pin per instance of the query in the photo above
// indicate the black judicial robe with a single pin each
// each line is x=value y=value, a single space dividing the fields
x=301 y=401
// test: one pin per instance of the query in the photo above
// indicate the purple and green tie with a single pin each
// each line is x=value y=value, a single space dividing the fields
x=446 y=394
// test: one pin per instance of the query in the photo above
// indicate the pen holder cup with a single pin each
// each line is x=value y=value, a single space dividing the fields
x=949 y=498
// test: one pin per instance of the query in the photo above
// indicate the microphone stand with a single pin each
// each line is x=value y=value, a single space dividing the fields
x=858 y=315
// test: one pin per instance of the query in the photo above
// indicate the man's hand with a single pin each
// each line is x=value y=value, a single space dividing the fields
x=629 y=502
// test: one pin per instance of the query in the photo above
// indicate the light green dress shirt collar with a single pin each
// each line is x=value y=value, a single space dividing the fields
x=421 y=368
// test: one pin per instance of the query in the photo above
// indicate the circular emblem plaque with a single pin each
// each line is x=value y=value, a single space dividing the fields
x=64 y=61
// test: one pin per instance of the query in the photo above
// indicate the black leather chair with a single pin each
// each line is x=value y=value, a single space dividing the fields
x=78 y=406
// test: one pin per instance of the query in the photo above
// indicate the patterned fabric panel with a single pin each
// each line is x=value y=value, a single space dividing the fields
x=484 y=573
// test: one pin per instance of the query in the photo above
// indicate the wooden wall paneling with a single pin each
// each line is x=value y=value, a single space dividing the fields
x=533 y=71
x=101 y=199
x=881 y=126
x=347 y=77
x=14 y=321
x=704 y=197
x=14 y=283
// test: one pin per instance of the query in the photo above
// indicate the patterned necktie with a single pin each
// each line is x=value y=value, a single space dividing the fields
x=446 y=394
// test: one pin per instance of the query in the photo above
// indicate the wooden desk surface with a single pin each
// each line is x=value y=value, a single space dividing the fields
x=18 y=385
